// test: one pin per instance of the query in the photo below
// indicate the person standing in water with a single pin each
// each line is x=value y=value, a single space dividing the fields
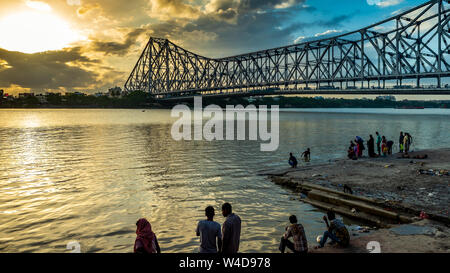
x=307 y=155
x=209 y=232
x=400 y=142
x=378 y=143
x=293 y=161
x=146 y=241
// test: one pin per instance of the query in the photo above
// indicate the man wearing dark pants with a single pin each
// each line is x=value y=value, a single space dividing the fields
x=231 y=230
x=300 y=244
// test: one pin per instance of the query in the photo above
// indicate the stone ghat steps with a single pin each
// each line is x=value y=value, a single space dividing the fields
x=357 y=207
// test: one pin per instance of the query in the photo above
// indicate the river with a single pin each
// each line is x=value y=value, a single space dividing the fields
x=89 y=175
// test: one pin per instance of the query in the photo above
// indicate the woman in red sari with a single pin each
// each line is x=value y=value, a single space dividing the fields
x=146 y=241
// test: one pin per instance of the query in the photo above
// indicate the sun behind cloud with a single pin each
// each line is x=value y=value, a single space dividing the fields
x=36 y=29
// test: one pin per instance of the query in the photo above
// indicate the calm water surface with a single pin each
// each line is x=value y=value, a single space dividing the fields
x=88 y=175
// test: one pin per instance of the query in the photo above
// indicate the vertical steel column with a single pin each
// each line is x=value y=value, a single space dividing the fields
x=439 y=43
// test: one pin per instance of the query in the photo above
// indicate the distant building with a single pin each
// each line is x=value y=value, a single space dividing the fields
x=42 y=98
x=100 y=94
x=25 y=95
x=52 y=94
x=1 y=93
x=388 y=98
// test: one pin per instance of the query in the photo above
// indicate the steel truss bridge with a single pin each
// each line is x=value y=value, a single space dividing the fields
x=411 y=46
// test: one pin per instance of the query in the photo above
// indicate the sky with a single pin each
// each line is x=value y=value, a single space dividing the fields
x=92 y=45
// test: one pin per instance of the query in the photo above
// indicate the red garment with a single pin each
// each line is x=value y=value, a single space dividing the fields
x=145 y=235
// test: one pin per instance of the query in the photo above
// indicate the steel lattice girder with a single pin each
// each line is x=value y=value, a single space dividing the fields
x=413 y=44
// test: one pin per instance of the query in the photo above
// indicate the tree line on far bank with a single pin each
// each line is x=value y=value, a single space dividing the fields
x=140 y=99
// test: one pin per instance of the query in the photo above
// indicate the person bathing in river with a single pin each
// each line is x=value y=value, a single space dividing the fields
x=371 y=146
x=293 y=161
x=400 y=142
x=307 y=155
x=337 y=231
x=296 y=231
x=390 y=145
x=146 y=241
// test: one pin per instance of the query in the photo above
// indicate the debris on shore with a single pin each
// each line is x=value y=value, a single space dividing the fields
x=388 y=192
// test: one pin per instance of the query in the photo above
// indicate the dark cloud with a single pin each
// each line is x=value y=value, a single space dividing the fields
x=46 y=70
x=116 y=48
x=335 y=21
x=257 y=25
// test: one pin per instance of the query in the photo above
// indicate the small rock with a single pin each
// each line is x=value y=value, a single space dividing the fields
x=440 y=234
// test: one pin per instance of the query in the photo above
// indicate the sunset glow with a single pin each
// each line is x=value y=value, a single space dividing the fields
x=35 y=31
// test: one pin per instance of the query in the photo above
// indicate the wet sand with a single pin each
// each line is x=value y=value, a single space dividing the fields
x=399 y=183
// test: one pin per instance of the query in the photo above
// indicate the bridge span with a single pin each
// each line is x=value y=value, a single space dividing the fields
x=410 y=48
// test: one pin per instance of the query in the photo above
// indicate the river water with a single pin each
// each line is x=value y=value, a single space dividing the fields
x=88 y=175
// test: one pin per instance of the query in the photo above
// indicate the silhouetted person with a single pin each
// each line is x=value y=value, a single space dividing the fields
x=231 y=230
x=209 y=231
x=371 y=146
x=146 y=241
x=293 y=161
x=307 y=155
x=297 y=232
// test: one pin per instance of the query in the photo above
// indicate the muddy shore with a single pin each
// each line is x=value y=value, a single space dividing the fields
x=404 y=185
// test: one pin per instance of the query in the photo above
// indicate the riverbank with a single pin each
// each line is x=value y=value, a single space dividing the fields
x=407 y=186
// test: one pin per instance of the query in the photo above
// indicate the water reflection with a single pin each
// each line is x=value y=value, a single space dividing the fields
x=88 y=175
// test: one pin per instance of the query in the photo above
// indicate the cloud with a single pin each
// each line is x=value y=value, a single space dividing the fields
x=383 y=3
x=48 y=70
x=327 y=33
x=116 y=48
x=165 y=9
x=73 y=2
x=299 y=39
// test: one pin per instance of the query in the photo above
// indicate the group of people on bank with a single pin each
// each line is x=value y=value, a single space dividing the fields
x=226 y=239
x=384 y=146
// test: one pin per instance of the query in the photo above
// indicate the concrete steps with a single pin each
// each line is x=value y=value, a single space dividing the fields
x=357 y=207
